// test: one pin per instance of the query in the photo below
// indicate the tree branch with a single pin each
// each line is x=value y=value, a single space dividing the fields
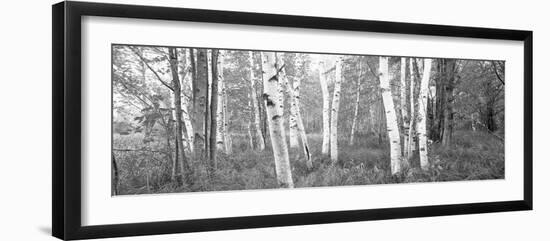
x=150 y=68
x=496 y=73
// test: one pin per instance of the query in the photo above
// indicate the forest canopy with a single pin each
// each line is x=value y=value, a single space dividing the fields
x=192 y=119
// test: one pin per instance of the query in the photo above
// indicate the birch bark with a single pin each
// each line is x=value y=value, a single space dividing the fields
x=326 y=111
x=391 y=117
x=404 y=112
x=272 y=91
x=334 y=112
x=421 y=124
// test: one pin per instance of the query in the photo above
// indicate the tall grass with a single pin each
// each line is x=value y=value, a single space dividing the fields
x=472 y=156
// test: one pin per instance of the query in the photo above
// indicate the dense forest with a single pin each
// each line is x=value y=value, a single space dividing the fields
x=192 y=119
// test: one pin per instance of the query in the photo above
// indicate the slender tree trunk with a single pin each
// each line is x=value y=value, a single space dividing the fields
x=175 y=177
x=410 y=142
x=189 y=128
x=294 y=93
x=293 y=123
x=250 y=125
x=391 y=117
x=220 y=132
x=227 y=141
x=216 y=76
x=200 y=94
x=404 y=112
x=185 y=168
x=356 y=111
x=255 y=106
x=300 y=124
x=272 y=91
x=326 y=110
x=114 y=173
x=448 y=111
x=421 y=124
x=334 y=113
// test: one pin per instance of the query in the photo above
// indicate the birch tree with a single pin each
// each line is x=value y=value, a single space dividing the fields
x=298 y=128
x=326 y=110
x=214 y=109
x=272 y=90
x=254 y=104
x=220 y=101
x=421 y=124
x=334 y=113
x=227 y=141
x=403 y=98
x=410 y=142
x=391 y=117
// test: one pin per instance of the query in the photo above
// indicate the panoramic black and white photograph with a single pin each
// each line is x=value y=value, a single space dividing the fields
x=191 y=119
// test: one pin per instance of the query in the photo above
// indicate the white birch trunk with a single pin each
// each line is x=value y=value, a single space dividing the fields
x=404 y=112
x=255 y=106
x=293 y=123
x=391 y=117
x=326 y=111
x=356 y=111
x=220 y=132
x=334 y=112
x=299 y=129
x=189 y=127
x=272 y=91
x=421 y=124
x=411 y=145
x=227 y=141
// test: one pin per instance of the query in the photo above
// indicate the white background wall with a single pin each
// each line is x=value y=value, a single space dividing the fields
x=25 y=119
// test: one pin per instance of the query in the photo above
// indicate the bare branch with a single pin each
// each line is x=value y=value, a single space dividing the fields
x=146 y=62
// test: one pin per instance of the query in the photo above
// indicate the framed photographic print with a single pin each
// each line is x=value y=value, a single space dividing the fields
x=172 y=120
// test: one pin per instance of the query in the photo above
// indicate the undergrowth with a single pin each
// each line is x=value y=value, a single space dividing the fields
x=471 y=156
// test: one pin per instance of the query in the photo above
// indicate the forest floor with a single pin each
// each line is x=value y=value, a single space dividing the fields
x=472 y=156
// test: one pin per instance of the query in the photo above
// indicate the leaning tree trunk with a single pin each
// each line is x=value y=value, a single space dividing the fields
x=185 y=169
x=410 y=142
x=334 y=113
x=255 y=107
x=294 y=92
x=214 y=109
x=391 y=117
x=326 y=111
x=200 y=91
x=421 y=123
x=356 y=111
x=404 y=114
x=272 y=91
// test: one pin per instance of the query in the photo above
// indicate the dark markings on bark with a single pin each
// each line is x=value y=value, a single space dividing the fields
x=268 y=100
x=276 y=117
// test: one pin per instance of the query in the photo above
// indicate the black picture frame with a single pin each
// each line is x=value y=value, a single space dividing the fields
x=66 y=127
